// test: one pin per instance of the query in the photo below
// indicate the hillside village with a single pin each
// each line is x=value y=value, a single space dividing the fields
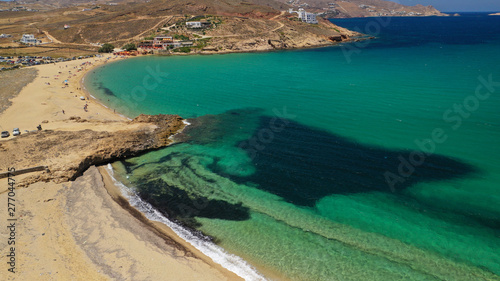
x=167 y=27
x=134 y=32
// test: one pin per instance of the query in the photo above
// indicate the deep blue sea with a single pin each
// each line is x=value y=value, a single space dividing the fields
x=372 y=160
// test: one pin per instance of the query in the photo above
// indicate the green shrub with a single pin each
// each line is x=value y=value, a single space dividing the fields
x=106 y=48
x=130 y=47
x=182 y=50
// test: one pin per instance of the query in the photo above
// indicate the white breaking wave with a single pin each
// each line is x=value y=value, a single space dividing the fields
x=231 y=262
x=185 y=123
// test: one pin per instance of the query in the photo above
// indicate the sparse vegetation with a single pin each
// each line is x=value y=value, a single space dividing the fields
x=202 y=43
x=182 y=50
x=216 y=20
x=197 y=18
x=48 y=50
x=180 y=37
x=129 y=47
x=119 y=25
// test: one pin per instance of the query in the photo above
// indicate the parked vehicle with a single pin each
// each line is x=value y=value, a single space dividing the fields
x=5 y=134
x=16 y=132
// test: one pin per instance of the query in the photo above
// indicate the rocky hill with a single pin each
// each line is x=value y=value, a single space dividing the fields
x=362 y=8
x=236 y=25
x=251 y=25
x=281 y=32
x=70 y=153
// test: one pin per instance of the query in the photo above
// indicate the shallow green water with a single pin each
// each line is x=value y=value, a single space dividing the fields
x=285 y=161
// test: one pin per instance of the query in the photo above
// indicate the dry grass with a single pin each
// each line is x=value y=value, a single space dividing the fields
x=253 y=19
x=52 y=50
x=123 y=22
x=110 y=32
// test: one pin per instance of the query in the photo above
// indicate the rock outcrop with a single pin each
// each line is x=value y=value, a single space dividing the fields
x=67 y=154
x=284 y=32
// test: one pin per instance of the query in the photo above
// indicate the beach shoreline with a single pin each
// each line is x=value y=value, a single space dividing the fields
x=52 y=103
x=88 y=94
x=49 y=102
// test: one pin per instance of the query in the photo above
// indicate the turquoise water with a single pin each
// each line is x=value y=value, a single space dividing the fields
x=311 y=165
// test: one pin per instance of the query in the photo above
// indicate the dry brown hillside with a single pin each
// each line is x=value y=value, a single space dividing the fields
x=213 y=7
x=250 y=25
x=363 y=8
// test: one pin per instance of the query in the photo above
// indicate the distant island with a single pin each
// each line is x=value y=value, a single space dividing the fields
x=495 y=14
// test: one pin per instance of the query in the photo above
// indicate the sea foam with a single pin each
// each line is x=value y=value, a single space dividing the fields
x=231 y=262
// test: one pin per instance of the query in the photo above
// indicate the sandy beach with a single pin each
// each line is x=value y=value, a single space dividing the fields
x=43 y=101
x=84 y=229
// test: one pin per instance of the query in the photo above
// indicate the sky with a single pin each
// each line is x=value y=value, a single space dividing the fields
x=457 y=5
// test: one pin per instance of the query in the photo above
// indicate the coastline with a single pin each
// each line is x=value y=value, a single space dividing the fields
x=206 y=250
x=211 y=253
x=403 y=243
x=317 y=46
x=88 y=94
x=42 y=102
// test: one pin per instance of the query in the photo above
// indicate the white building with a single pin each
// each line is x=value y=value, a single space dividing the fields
x=198 y=24
x=193 y=24
x=29 y=39
x=307 y=17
